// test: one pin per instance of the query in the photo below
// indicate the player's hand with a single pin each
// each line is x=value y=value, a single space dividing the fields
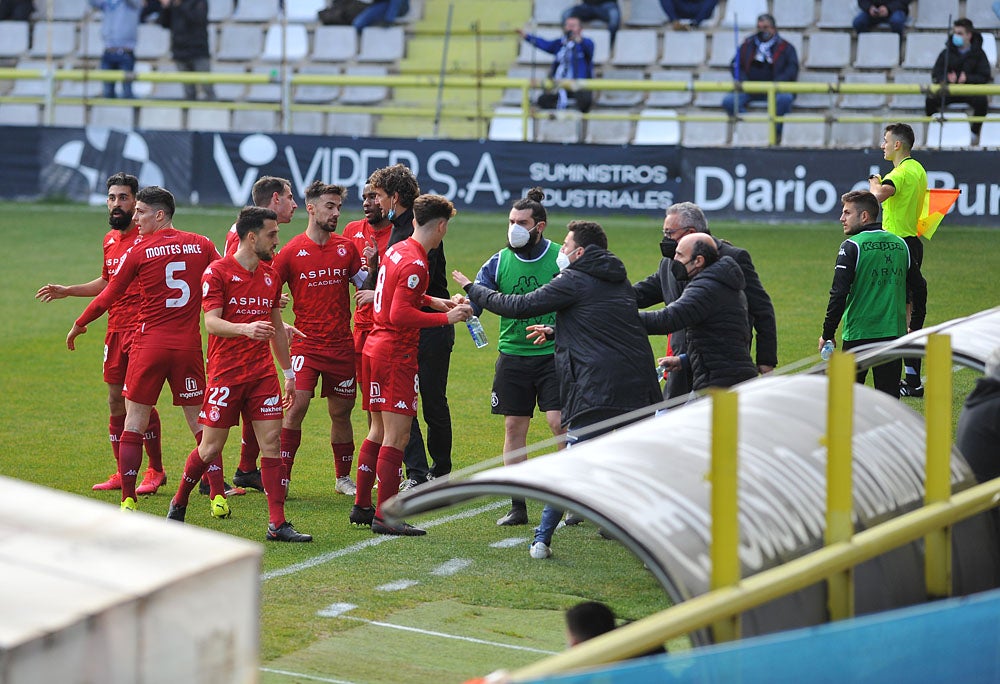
x=764 y=370
x=459 y=313
x=819 y=346
x=74 y=332
x=368 y=254
x=439 y=304
x=669 y=364
x=283 y=300
x=362 y=297
x=460 y=299
x=289 y=399
x=291 y=332
x=259 y=330
x=47 y=293
x=460 y=278
x=540 y=334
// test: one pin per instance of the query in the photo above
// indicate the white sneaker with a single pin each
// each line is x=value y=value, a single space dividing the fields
x=345 y=485
x=408 y=484
x=540 y=550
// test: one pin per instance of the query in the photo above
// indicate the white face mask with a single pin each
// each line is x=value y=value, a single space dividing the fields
x=562 y=261
x=517 y=236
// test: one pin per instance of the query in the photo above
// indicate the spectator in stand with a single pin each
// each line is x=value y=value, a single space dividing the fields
x=16 y=10
x=574 y=60
x=119 y=30
x=695 y=10
x=764 y=56
x=602 y=10
x=962 y=61
x=381 y=12
x=874 y=12
x=188 y=24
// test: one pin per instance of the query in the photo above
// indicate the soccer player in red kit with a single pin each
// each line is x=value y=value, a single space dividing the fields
x=168 y=264
x=319 y=266
x=275 y=194
x=240 y=298
x=122 y=316
x=389 y=366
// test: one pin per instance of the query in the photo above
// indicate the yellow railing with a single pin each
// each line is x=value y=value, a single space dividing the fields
x=483 y=112
x=844 y=549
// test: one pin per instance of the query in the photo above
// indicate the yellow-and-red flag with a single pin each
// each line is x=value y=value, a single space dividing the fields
x=937 y=202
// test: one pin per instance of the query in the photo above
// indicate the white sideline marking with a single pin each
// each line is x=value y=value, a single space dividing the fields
x=373 y=541
x=398 y=585
x=299 y=675
x=509 y=543
x=336 y=609
x=451 y=567
x=443 y=635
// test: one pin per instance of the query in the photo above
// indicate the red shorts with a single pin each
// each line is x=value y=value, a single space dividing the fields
x=335 y=366
x=360 y=337
x=148 y=368
x=390 y=385
x=116 y=349
x=256 y=400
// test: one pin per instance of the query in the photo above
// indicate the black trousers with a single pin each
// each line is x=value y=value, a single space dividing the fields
x=884 y=377
x=433 y=359
x=980 y=106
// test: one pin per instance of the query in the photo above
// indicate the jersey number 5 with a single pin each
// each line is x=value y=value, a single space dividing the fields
x=175 y=284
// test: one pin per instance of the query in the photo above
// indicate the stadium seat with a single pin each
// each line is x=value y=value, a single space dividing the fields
x=165 y=90
x=209 y=119
x=989 y=137
x=665 y=99
x=308 y=123
x=153 y=42
x=744 y=13
x=935 y=16
x=254 y=121
x=803 y=133
x=91 y=43
x=621 y=98
x=864 y=100
x=877 y=50
x=922 y=50
x=602 y=45
x=14 y=36
x=644 y=13
x=705 y=133
x=82 y=89
x=723 y=49
x=69 y=116
x=293 y=37
x=304 y=11
x=364 y=94
x=635 y=47
x=29 y=87
x=837 y=14
x=229 y=91
x=564 y=127
x=352 y=125
x=683 y=48
x=239 y=43
x=798 y=42
x=382 y=44
x=650 y=130
x=509 y=128
x=990 y=47
x=606 y=132
x=829 y=50
x=259 y=11
x=794 y=14
x=13 y=114
x=57 y=38
x=142 y=89
x=63 y=10
x=112 y=117
x=853 y=135
x=219 y=10
x=708 y=98
x=334 y=44
x=815 y=100
x=265 y=92
x=952 y=133
x=512 y=96
x=915 y=101
x=550 y=11
x=317 y=94
x=751 y=134
x=982 y=15
x=161 y=118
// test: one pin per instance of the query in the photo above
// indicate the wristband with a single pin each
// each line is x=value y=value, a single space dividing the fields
x=289 y=373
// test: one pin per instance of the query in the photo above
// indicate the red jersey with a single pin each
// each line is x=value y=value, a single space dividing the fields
x=319 y=277
x=400 y=292
x=232 y=241
x=244 y=297
x=124 y=312
x=168 y=265
x=362 y=234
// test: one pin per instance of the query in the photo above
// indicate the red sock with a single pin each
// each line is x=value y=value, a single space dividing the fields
x=367 y=461
x=249 y=449
x=272 y=474
x=290 y=440
x=216 y=482
x=390 y=460
x=116 y=424
x=194 y=468
x=152 y=441
x=129 y=461
x=343 y=457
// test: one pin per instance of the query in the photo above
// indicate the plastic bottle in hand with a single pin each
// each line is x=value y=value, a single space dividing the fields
x=827 y=351
x=477 y=332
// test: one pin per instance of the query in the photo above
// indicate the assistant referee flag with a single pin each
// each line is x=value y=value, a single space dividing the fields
x=937 y=202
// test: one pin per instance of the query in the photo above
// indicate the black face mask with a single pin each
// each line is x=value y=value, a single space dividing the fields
x=679 y=272
x=764 y=36
x=668 y=247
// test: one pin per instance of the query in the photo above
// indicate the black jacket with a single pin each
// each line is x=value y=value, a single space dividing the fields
x=974 y=62
x=188 y=24
x=663 y=287
x=713 y=311
x=978 y=433
x=891 y=5
x=437 y=283
x=784 y=65
x=602 y=356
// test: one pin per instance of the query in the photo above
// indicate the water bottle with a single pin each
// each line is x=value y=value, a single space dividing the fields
x=477 y=332
x=827 y=351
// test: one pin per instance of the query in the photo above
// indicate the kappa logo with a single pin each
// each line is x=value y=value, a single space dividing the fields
x=419 y=262
x=302 y=252
x=359 y=235
x=272 y=401
x=402 y=405
x=236 y=279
